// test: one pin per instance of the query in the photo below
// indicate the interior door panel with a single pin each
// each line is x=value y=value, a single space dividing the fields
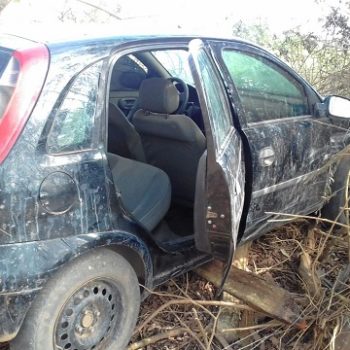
x=225 y=171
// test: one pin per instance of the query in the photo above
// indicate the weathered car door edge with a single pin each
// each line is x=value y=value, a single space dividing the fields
x=225 y=171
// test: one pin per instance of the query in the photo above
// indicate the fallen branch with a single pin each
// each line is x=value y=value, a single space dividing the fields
x=258 y=293
x=307 y=269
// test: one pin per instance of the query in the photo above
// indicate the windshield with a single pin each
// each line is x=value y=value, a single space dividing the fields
x=176 y=63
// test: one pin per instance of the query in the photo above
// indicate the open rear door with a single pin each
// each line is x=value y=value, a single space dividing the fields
x=221 y=176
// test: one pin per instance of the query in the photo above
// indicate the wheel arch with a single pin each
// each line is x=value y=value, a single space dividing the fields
x=128 y=245
x=134 y=259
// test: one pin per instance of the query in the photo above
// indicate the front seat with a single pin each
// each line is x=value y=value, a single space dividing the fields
x=173 y=143
x=123 y=139
x=145 y=190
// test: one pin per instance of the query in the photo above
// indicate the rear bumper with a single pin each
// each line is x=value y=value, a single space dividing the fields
x=24 y=269
x=13 y=308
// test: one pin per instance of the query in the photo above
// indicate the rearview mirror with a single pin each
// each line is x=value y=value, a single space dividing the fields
x=338 y=107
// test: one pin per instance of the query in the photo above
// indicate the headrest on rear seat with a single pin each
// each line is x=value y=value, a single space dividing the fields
x=158 y=95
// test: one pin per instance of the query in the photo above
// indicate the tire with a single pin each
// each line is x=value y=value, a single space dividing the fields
x=332 y=209
x=91 y=303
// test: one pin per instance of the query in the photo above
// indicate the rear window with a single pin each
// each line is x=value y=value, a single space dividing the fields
x=9 y=69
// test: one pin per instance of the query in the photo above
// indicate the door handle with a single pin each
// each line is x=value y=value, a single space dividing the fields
x=266 y=156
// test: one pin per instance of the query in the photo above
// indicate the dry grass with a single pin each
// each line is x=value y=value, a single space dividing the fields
x=304 y=257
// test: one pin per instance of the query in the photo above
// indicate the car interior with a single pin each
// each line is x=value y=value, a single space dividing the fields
x=156 y=139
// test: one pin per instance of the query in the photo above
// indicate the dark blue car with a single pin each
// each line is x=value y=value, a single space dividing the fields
x=126 y=161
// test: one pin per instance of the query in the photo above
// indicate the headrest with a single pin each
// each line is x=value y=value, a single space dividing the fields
x=131 y=80
x=158 y=95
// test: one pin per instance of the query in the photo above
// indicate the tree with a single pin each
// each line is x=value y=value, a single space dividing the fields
x=323 y=59
x=3 y=4
x=337 y=23
x=81 y=11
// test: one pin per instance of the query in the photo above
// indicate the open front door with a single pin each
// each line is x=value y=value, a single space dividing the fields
x=221 y=175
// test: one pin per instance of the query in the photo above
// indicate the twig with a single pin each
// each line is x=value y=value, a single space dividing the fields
x=156 y=338
x=190 y=301
x=200 y=327
x=189 y=331
x=250 y=328
x=100 y=9
x=216 y=319
x=296 y=216
x=334 y=336
x=187 y=296
x=347 y=212
x=174 y=296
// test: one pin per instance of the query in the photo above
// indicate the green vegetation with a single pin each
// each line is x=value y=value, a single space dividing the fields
x=322 y=58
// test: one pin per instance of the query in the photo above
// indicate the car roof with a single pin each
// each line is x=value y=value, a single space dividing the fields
x=90 y=34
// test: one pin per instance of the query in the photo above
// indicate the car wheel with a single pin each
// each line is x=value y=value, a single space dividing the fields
x=92 y=303
x=332 y=210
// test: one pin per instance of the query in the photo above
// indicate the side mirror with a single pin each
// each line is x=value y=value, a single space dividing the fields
x=338 y=107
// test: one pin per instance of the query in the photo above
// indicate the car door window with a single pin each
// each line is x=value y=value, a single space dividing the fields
x=74 y=120
x=266 y=91
x=220 y=114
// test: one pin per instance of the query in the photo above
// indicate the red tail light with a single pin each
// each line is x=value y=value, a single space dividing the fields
x=33 y=65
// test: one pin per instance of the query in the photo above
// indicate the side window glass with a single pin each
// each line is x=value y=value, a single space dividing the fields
x=219 y=111
x=265 y=90
x=74 y=120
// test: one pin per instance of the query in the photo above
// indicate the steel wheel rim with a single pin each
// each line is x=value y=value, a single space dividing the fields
x=89 y=319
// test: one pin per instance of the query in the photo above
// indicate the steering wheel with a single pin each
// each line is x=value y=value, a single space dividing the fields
x=182 y=87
